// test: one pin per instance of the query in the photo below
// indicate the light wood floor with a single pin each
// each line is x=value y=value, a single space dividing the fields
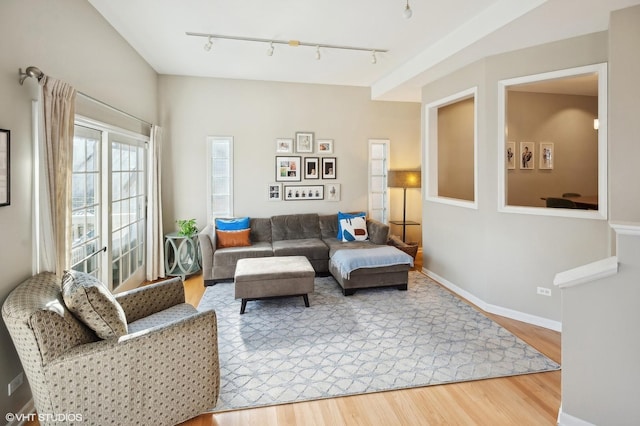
x=532 y=399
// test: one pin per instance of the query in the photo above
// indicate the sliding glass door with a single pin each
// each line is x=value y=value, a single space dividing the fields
x=109 y=205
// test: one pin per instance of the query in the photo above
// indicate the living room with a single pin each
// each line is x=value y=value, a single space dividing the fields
x=470 y=249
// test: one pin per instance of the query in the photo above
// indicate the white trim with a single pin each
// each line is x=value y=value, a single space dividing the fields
x=387 y=201
x=626 y=228
x=587 y=273
x=565 y=419
x=99 y=125
x=430 y=178
x=602 y=212
x=210 y=141
x=494 y=309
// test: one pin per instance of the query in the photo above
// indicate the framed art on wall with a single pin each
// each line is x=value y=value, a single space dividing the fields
x=304 y=142
x=311 y=168
x=288 y=169
x=275 y=192
x=284 y=146
x=325 y=146
x=527 y=155
x=510 y=155
x=5 y=175
x=333 y=191
x=546 y=155
x=329 y=168
x=303 y=192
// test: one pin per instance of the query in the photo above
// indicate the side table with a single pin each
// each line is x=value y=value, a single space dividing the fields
x=182 y=255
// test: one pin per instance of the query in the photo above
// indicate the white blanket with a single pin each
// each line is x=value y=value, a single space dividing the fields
x=348 y=260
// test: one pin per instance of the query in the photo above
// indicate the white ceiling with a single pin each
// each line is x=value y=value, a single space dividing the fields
x=441 y=36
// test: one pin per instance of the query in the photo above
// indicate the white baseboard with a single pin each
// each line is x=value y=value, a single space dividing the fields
x=565 y=419
x=23 y=414
x=498 y=310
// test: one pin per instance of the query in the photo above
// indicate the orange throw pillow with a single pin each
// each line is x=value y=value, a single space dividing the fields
x=233 y=238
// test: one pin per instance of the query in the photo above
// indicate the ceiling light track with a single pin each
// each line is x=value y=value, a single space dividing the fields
x=271 y=42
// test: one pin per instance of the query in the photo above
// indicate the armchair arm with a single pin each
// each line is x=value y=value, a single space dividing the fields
x=144 y=301
x=378 y=231
x=144 y=374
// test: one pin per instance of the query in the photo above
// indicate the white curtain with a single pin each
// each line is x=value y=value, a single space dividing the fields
x=56 y=148
x=155 y=235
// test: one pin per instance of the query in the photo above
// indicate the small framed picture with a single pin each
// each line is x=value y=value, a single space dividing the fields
x=510 y=155
x=304 y=142
x=527 y=155
x=288 y=169
x=275 y=192
x=325 y=146
x=333 y=191
x=284 y=146
x=311 y=168
x=329 y=168
x=546 y=155
x=5 y=168
x=303 y=192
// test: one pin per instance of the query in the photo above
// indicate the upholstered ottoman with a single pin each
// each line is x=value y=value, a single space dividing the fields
x=261 y=278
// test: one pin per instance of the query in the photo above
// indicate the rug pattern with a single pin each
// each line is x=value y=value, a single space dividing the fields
x=376 y=340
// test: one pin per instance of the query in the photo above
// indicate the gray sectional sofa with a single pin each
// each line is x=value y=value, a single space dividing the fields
x=310 y=235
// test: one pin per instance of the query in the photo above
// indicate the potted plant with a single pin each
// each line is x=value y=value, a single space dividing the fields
x=187 y=227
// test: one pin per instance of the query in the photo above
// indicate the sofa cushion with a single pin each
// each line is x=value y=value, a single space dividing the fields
x=334 y=245
x=312 y=248
x=238 y=238
x=91 y=302
x=295 y=226
x=232 y=224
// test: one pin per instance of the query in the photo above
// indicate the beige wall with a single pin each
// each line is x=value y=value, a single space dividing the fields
x=602 y=317
x=456 y=124
x=502 y=258
x=68 y=40
x=567 y=122
x=256 y=113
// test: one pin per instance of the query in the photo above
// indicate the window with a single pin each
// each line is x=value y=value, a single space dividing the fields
x=551 y=117
x=220 y=176
x=378 y=168
x=451 y=152
x=108 y=202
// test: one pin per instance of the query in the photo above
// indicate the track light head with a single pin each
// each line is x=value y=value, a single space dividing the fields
x=318 y=56
x=374 y=60
x=408 y=13
x=209 y=44
x=270 y=49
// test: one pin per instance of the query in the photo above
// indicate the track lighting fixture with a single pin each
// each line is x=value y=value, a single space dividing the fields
x=408 y=13
x=208 y=45
x=292 y=43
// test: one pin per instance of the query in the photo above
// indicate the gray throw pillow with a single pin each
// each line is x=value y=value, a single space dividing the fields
x=93 y=304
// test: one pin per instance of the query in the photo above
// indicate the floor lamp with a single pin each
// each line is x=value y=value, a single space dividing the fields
x=404 y=179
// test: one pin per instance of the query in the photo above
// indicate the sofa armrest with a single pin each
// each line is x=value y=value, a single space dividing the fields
x=207 y=240
x=378 y=231
x=149 y=299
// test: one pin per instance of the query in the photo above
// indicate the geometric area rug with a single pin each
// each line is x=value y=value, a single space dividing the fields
x=375 y=340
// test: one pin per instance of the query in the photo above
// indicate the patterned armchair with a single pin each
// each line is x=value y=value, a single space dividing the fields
x=163 y=371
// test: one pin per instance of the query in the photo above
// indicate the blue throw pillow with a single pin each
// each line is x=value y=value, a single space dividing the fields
x=347 y=216
x=234 y=224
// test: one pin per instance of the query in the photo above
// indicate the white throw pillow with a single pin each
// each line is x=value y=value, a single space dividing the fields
x=354 y=229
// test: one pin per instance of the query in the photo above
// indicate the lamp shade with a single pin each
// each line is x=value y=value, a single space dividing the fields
x=404 y=179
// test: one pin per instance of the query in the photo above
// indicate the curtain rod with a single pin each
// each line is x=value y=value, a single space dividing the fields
x=36 y=73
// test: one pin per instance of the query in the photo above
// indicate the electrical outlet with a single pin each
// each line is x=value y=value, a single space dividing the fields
x=544 y=291
x=15 y=383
